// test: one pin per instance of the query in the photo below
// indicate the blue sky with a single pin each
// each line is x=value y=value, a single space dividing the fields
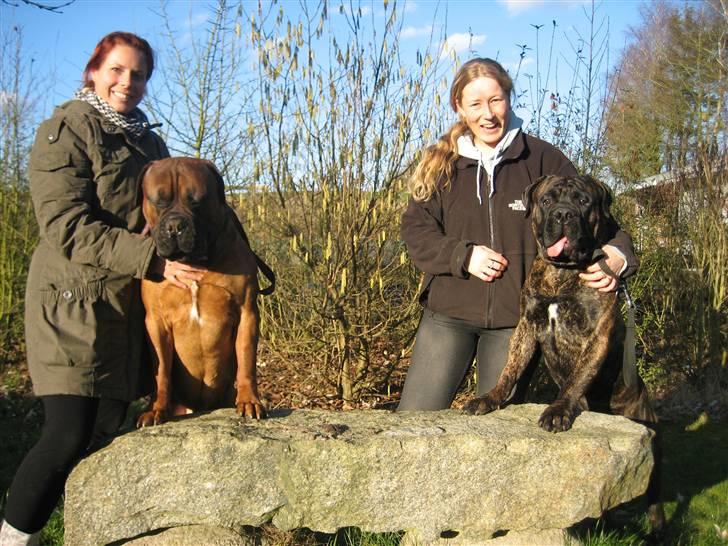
x=61 y=43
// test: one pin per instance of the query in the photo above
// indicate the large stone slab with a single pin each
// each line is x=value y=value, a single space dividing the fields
x=428 y=473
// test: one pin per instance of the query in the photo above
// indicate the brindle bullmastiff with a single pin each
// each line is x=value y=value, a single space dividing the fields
x=578 y=330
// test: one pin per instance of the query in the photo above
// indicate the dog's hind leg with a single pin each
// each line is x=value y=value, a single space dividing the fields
x=634 y=403
x=655 y=510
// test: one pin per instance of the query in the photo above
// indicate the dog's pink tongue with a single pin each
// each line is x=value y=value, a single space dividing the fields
x=557 y=248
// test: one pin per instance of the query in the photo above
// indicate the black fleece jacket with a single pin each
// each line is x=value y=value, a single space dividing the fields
x=440 y=232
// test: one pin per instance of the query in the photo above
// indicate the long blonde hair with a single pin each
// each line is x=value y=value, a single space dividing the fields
x=435 y=169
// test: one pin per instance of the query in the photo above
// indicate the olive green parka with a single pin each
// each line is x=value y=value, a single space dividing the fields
x=83 y=312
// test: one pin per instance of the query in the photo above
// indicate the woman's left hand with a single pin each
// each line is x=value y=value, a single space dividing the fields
x=182 y=275
x=179 y=274
x=595 y=278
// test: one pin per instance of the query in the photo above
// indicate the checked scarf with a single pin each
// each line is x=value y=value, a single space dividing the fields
x=135 y=123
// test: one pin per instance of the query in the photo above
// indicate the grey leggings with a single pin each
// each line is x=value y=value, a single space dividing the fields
x=443 y=352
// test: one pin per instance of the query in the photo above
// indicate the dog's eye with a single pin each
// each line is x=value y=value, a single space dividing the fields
x=193 y=203
x=161 y=203
x=583 y=201
x=545 y=201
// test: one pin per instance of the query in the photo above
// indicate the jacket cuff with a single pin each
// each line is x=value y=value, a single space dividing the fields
x=460 y=258
x=622 y=243
x=624 y=258
x=149 y=253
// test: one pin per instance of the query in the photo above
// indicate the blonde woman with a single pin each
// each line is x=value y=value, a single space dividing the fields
x=466 y=229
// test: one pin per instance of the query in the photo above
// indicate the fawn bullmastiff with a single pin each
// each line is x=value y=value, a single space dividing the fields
x=204 y=338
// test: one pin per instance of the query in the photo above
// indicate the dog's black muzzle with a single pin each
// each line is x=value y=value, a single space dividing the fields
x=561 y=220
x=565 y=220
x=179 y=238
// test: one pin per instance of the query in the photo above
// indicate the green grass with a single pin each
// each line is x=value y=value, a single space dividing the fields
x=696 y=482
x=695 y=490
x=695 y=487
x=52 y=533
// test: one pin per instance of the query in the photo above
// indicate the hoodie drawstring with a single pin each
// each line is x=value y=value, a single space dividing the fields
x=477 y=180
x=466 y=148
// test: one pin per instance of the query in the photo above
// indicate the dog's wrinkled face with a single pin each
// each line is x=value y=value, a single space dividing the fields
x=570 y=218
x=182 y=206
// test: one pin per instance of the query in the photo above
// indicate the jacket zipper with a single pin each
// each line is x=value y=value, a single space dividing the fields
x=489 y=307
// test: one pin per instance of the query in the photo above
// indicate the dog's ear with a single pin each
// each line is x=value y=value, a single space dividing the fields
x=140 y=194
x=220 y=181
x=607 y=224
x=604 y=196
x=527 y=197
x=140 y=179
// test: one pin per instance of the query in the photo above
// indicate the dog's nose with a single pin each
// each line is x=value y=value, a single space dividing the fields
x=175 y=226
x=563 y=215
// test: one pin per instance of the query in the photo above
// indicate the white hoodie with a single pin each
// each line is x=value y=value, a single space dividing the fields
x=466 y=148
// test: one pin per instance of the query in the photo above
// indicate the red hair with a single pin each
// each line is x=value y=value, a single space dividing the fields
x=108 y=43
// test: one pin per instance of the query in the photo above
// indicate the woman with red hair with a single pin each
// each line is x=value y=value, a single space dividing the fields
x=83 y=312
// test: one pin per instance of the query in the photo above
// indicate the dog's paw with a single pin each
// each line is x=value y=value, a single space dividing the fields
x=481 y=406
x=658 y=523
x=151 y=418
x=251 y=409
x=558 y=417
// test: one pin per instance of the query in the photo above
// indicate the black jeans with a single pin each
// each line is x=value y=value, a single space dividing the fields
x=72 y=425
x=444 y=351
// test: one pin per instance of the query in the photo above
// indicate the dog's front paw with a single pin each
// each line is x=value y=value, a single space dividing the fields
x=558 y=417
x=251 y=409
x=152 y=417
x=481 y=405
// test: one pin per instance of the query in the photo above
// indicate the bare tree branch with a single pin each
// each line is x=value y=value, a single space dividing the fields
x=40 y=5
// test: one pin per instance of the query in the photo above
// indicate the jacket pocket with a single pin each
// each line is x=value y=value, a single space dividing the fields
x=75 y=327
x=458 y=298
x=50 y=161
x=116 y=183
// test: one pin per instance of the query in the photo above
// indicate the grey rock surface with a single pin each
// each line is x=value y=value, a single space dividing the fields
x=194 y=535
x=421 y=472
x=532 y=537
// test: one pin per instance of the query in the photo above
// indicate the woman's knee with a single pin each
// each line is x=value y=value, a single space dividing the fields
x=60 y=449
x=443 y=351
x=69 y=423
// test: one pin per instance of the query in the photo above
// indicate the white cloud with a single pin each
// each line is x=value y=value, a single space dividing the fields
x=190 y=28
x=6 y=99
x=410 y=7
x=516 y=7
x=199 y=19
x=359 y=10
x=413 y=32
x=461 y=41
x=512 y=68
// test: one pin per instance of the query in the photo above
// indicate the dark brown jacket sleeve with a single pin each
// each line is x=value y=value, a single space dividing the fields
x=430 y=248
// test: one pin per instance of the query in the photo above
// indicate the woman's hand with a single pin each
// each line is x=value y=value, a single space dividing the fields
x=179 y=274
x=486 y=264
x=182 y=275
x=595 y=278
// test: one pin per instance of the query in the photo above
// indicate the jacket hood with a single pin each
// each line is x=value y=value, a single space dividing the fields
x=466 y=148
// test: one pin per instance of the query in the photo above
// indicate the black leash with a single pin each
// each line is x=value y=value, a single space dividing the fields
x=268 y=274
x=629 y=361
x=629 y=358
x=262 y=266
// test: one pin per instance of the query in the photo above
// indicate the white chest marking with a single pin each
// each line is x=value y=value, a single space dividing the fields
x=195 y=310
x=553 y=314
